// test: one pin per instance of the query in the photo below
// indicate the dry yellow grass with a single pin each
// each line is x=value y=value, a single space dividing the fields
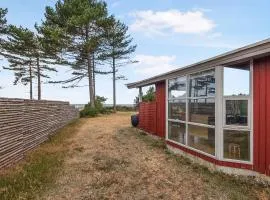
x=105 y=158
x=108 y=159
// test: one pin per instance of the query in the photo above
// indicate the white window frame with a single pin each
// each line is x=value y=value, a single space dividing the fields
x=167 y=110
x=235 y=98
x=176 y=99
x=187 y=98
x=219 y=116
x=196 y=123
x=248 y=128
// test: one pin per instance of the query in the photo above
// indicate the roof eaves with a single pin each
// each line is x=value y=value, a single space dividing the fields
x=220 y=59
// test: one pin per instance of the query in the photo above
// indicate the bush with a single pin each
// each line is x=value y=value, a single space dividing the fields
x=99 y=103
x=88 y=111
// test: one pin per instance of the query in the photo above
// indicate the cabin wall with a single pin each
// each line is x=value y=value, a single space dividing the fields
x=161 y=108
x=261 y=118
x=153 y=119
x=148 y=117
x=152 y=114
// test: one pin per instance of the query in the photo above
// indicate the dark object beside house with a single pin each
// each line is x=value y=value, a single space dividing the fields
x=135 y=120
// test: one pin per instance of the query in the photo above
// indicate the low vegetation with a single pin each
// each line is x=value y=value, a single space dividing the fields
x=99 y=108
x=123 y=108
x=90 y=111
x=40 y=168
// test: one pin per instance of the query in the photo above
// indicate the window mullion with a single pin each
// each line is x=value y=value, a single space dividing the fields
x=187 y=109
x=218 y=111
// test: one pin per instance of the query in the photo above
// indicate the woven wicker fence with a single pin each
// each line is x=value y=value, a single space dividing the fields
x=25 y=124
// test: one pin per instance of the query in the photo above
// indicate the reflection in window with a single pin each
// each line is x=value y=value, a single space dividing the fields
x=177 y=132
x=177 y=87
x=177 y=109
x=237 y=112
x=202 y=138
x=202 y=111
x=236 y=80
x=202 y=84
x=236 y=145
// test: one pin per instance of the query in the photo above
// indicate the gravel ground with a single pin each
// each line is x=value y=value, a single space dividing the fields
x=108 y=159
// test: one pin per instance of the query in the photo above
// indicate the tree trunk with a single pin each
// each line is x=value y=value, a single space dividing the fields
x=114 y=86
x=90 y=80
x=94 y=76
x=31 y=82
x=39 y=81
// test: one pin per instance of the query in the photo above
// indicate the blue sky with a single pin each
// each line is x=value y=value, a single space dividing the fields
x=169 y=34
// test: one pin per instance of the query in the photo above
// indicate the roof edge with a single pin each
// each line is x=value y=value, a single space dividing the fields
x=248 y=51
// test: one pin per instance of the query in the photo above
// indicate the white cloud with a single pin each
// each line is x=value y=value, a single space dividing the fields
x=153 y=65
x=175 y=21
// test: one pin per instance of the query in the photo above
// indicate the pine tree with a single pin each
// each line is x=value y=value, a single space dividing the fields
x=117 y=50
x=3 y=22
x=18 y=47
x=26 y=56
x=77 y=26
x=3 y=26
x=46 y=56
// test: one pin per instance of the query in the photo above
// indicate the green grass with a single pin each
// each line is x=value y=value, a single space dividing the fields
x=39 y=170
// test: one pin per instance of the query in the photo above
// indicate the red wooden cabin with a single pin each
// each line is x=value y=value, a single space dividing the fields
x=215 y=111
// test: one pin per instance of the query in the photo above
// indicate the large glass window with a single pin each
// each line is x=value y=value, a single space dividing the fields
x=237 y=80
x=177 y=132
x=202 y=84
x=237 y=144
x=202 y=138
x=177 y=109
x=191 y=111
x=177 y=87
x=177 y=103
x=202 y=111
x=236 y=132
x=236 y=112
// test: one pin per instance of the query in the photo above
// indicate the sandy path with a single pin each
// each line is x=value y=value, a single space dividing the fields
x=109 y=160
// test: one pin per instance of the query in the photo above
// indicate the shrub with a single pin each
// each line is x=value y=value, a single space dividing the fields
x=88 y=111
x=99 y=101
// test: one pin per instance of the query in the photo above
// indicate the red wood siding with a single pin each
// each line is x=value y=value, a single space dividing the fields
x=261 y=114
x=161 y=108
x=152 y=114
x=147 y=117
